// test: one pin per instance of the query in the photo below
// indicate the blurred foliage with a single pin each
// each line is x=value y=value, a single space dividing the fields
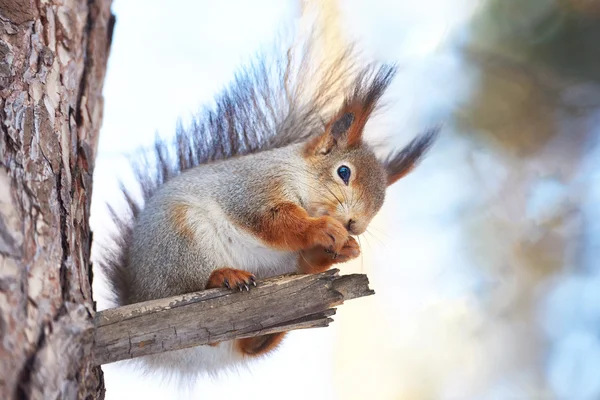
x=531 y=112
x=560 y=34
x=510 y=107
x=538 y=64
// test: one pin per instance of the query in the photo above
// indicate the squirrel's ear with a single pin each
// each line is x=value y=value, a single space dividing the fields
x=400 y=164
x=345 y=129
x=350 y=125
x=336 y=134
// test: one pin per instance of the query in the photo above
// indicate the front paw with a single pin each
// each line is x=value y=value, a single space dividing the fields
x=317 y=259
x=350 y=251
x=328 y=233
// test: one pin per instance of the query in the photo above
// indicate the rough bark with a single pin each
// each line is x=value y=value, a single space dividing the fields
x=53 y=57
x=278 y=304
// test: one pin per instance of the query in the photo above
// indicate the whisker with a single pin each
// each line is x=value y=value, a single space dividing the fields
x=343 y=195
x=379 y=231
x=362 y=256
x=375 y=238
x=370 y=248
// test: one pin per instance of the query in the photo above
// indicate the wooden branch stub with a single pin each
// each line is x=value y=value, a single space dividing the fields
x=277 y=304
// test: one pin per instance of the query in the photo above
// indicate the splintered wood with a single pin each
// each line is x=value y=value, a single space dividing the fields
x=278 y=304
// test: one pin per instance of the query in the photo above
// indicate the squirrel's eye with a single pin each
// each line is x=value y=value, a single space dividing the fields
x=344 y=173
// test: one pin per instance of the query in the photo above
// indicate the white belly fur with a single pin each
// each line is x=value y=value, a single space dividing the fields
x=231 y=247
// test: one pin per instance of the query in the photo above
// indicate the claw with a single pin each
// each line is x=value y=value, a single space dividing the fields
x=254 y=283
x=226 y=283
x=247 y=288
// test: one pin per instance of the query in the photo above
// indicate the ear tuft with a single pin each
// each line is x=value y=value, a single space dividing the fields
x=400 y=164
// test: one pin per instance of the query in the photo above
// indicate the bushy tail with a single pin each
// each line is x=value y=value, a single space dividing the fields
x=280 y=98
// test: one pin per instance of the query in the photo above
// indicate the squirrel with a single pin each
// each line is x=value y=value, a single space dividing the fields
x=269 y=180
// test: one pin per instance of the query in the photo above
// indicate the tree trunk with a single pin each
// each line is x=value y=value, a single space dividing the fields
x=53 y=57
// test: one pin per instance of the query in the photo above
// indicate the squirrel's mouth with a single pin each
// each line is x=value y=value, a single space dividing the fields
x=355 y=228
x=351 y=226
x=354 y=232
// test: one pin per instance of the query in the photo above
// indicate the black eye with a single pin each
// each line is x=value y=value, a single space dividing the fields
x=344 y=173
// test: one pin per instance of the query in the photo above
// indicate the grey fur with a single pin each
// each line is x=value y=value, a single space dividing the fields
x=162 y=264
x=226 y=167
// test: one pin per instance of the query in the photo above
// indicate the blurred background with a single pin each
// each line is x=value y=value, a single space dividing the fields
x=484 y=259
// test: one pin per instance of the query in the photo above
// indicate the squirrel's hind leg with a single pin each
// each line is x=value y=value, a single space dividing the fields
x=231 y=278
x=255 y=346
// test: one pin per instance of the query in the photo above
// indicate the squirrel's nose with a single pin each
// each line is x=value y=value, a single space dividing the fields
x=350 y=225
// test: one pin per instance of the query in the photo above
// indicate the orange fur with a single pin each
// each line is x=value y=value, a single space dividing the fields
x=178 y=215
x=258 y=345
x=317 y=260
x=231 y=279
x=289 y=227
